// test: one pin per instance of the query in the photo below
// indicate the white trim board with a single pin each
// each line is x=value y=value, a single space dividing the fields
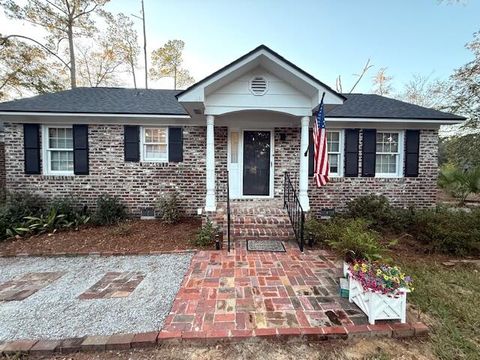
x=26 y=113
x=392 y=120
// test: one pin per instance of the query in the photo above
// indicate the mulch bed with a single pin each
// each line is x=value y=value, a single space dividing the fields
x=131 y=236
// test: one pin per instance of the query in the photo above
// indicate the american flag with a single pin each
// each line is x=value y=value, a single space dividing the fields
x=320 y=148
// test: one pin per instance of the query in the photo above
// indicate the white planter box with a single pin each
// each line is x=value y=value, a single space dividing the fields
x=378 y=306
x=345 y=269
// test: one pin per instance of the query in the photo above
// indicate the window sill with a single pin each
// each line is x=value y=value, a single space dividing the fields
x=388 y=176
x=154 y=161
x=58 y=174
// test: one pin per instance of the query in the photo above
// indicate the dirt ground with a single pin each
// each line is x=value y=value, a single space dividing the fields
x=361 y=349
x=131 y=236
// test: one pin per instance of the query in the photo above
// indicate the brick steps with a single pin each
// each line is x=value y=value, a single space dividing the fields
x=250 y=221
x=263 y=233
x=260 y=220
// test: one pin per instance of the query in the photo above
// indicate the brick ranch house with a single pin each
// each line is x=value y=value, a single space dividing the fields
x=253 y=118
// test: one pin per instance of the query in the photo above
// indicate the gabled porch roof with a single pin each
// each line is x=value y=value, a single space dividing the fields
x=194 y=98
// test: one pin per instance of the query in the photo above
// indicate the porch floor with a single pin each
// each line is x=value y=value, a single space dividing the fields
x=247 y=293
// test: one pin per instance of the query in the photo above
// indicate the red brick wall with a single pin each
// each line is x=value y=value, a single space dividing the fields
x=419 y=191
x=140 y=184
x=137 y=184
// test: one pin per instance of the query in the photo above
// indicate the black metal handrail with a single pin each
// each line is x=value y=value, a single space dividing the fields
x=228 y=212
x=294 y=210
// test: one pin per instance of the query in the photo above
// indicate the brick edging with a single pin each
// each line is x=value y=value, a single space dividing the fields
x=151 y=339
x=98 y=253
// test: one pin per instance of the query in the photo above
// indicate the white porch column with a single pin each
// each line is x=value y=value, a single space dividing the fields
x=210 y=203
x=303 y=176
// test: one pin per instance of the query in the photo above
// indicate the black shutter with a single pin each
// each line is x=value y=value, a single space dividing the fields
x=412 y=149
x=351 y=152
x=31 y=147
x=175 y=144
x=310 y=153
x=80 y=149
x=131 y=142
x=369 y=149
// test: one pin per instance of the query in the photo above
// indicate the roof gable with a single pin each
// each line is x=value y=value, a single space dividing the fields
x=262 y=56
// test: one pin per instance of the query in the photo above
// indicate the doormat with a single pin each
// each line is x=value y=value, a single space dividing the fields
x=265 y=245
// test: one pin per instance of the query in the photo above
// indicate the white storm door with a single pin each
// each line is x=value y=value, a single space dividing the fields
x=234 y=168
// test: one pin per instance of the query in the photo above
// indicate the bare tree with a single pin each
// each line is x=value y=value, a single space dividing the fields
x=338 y=84
x=62 y=19
x=145 y=59
x=424 y=91
x=97 y=66
x=123 y=39
x=382 y=83
x=359 y=76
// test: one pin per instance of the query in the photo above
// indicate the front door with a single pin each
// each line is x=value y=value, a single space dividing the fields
x=256 y=163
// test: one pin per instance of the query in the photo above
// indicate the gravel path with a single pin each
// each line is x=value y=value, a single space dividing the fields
x=56 y=312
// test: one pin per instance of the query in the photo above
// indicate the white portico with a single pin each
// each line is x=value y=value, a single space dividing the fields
x=253 y=97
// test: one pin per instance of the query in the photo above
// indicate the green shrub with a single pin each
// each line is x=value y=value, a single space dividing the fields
x=43 y=223
x=206 y=235
x=447 y=230
x=376 y=209
x=21 y=204
x=312 y=230
x=169 y=208
x=352 y=239
x=26 y=213
x=74 y=215
x=323 y=231
x=109 y=210
x=16 y=207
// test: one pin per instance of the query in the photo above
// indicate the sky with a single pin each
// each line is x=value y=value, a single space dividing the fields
x=326 y=38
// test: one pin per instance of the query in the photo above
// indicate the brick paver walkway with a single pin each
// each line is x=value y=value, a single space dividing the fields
x=114 y=285
x=27 y=285
x=251 y=293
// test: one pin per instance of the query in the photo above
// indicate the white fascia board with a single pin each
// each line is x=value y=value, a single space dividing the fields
x=223 y=110
x=396 y=121
x=50 y=114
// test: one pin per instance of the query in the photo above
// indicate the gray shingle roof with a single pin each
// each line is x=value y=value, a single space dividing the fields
x=164 y=102
x=376 y=106
x=101 y=100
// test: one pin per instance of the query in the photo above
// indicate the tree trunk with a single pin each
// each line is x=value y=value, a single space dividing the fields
x=134 y=77
x=175 y=78
x=71 y=50
x=145 y=46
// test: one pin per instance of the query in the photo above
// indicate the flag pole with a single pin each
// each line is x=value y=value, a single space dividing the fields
x=321 y=101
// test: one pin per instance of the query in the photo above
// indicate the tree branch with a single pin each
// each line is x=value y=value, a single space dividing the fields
x=4 y=39
x=57 y=7
x=85 y=12
x=360 y=76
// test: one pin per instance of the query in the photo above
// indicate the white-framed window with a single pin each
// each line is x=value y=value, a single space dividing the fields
x=154 y=144
x=335 y=145
x=57 y=150
x=389 y=154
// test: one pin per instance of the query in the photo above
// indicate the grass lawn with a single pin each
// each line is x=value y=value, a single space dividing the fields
x=449 y=297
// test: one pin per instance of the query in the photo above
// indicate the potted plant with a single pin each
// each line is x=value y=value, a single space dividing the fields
x=379 y=290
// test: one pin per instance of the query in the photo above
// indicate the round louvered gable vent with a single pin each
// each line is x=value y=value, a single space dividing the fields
x=258 y=85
